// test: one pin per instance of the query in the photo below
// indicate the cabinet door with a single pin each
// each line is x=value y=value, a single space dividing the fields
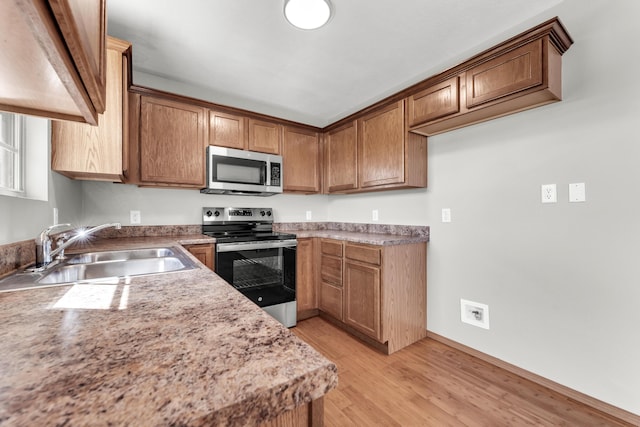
x=227 y=130
x=331 y=300
x=434 y=102
x=508 y=74
x=100 y=152
x=172 y=143
x=341 y=159
x=301 y=160
x=86 y=42
x=381 y=147
x=204 y=253
x=306 y=295
x=331 y=270
x=264 y=136
x=40 y=75
x=362 y=298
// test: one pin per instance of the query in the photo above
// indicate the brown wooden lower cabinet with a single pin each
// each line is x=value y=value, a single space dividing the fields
x=306 y=293
x=204 y=253
x=362 y=298
x=310 y=414
x=378 y=293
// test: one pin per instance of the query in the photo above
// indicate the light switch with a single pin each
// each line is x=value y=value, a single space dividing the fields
x=577 y=192
x=446 y=215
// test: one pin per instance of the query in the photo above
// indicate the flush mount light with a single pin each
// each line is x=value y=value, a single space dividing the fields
x=307 y=14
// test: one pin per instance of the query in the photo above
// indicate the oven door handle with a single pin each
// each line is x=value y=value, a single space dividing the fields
x=249 y=246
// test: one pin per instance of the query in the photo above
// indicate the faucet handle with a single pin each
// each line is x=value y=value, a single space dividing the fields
x=45 y=233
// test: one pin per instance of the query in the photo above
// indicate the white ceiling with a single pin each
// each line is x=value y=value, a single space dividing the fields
x=243 y=53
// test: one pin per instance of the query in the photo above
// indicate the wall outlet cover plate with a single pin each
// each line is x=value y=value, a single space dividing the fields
x=549 y=193
x=474 y=313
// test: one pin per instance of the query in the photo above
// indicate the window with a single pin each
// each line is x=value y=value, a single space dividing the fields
x=11 y=153
x=24 y=156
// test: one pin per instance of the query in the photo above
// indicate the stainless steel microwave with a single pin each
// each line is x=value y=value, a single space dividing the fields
x=231 y=171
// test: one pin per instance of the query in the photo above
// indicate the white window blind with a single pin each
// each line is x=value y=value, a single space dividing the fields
x=11 y=153
x=24 y=156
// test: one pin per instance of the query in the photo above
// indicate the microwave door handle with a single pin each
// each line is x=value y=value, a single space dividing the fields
x=265 y=174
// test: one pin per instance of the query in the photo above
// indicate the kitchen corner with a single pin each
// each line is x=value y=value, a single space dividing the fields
x=176 y=348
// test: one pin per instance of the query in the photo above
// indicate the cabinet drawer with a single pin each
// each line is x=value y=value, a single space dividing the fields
x=331 y=270
x=331 y=300
x=368 y=254
x=508 y=74
x=331 y=247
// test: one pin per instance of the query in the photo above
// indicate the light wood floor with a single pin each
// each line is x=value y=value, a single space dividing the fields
x=431 y=384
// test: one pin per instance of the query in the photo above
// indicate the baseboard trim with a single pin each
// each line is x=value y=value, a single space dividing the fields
x=594 y=403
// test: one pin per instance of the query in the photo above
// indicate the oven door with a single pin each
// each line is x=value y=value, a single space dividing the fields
x=265 y=272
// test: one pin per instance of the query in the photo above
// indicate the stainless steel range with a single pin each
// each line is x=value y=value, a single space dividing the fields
x=258 y=262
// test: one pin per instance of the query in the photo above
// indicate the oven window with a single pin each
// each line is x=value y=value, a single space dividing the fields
x=266 y=276
x=244 y=171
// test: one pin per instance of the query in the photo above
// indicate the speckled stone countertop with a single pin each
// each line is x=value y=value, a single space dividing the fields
x=373 y=234
x=181 y=348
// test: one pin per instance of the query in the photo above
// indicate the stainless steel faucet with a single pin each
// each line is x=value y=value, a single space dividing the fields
x=44 y=252
x=43 y=245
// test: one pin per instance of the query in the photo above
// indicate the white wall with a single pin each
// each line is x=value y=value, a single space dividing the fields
x=23 y=219
x=561 y=280
x=106 y=202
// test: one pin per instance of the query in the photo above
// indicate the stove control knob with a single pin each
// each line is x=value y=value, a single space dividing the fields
x=208 y=213
x=216 y=213
x=268 y=213
x=262 y=213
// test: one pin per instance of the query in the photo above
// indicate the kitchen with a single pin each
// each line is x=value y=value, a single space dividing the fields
x=559 y=278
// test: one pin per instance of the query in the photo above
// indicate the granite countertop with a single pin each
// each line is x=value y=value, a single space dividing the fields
x=181 y=348
x=373 y=234
x=361 y=237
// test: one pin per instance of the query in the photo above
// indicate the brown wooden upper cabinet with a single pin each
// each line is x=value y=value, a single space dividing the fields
x=388 y=157
x=341 y=159
x=264 y=136
x=172 y=143
x=521 y=73
x=82 y=151
x=54 y=58
x=510 y=73
x=244 y=133
x=301 y=160
x=228 y=130
x=434 y=102
x=381 y=147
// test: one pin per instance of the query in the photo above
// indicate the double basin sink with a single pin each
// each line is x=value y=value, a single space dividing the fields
x=98 y=266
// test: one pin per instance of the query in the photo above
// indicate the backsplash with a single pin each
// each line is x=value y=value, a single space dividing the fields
x=403 y=230
x=15 y=256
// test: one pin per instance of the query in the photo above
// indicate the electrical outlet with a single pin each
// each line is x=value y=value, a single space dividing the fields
x=135 y=217
x=474 y=313
x=374 y=215
x=308 y=215
x=549 y=193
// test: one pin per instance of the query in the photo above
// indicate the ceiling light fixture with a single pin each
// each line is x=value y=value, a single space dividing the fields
x=307 y=14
